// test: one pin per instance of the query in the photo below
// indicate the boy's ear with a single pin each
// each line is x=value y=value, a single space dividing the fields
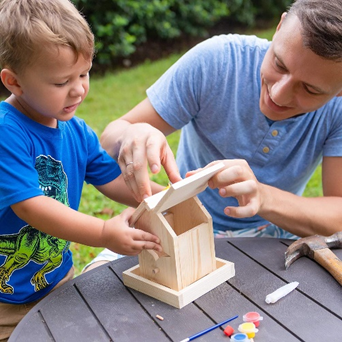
x=10 y=81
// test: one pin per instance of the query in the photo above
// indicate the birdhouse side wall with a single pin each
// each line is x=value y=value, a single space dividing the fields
x=196 y=254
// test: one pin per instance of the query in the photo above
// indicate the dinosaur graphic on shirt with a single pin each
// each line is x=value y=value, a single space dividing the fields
x=30 y=244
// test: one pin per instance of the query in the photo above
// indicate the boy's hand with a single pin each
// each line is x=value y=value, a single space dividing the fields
x=119 y=237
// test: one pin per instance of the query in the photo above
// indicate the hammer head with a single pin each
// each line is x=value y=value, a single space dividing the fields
x=308 y=245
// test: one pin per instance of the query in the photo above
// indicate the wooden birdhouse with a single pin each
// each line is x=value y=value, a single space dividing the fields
x=187 y=268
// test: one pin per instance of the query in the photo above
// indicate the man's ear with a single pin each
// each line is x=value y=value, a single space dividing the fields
x=283 y=16
x=10 y=81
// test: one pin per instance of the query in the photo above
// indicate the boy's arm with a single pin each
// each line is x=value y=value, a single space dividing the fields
x=54 y=218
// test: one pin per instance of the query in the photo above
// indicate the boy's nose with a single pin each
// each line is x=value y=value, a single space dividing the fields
x=77 y=90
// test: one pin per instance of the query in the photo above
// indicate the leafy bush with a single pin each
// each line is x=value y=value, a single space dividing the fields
x=122 y=25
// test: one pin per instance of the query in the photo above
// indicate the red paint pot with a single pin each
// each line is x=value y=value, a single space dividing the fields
x=253 y=317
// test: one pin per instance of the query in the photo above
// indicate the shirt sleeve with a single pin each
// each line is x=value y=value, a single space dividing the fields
x=189 y=85
x=18 y=177
x=332 y=127
x=101 y=167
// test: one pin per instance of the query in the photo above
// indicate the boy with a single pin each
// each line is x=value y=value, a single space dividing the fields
x=46 y=153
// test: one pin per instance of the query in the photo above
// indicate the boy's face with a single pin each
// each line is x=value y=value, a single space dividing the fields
x=294 y=80
x=54 y=86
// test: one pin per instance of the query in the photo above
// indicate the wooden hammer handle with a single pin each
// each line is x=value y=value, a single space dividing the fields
x=327 y=259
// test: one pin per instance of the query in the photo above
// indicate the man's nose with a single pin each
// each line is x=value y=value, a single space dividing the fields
x=282 y=91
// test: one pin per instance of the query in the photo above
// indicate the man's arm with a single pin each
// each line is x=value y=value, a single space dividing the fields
x=299 y=215
x=307 y=216
x=138 y=140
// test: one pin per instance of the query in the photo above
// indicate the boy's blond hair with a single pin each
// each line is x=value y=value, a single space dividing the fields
x=28 y=26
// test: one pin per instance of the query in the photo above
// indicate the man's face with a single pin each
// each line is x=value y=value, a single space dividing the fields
x=294 y=80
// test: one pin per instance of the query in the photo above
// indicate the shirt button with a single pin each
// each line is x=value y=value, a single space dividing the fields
x=275 y=133
x=266 y=149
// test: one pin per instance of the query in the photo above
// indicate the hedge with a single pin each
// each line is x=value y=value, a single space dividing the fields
x=120 y=26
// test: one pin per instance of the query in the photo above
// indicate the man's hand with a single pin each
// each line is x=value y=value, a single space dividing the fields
x=237 y=180
x=143 y=145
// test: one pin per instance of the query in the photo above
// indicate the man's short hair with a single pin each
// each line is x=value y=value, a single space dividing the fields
x=321 y=26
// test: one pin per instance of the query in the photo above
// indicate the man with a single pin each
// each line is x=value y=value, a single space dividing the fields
x=271 y=111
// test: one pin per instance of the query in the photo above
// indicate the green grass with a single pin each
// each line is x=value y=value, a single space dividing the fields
x=110 y=97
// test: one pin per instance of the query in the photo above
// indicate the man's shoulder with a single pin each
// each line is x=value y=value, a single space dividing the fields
x=332 y=110
x=231 y=47
x=237 y=41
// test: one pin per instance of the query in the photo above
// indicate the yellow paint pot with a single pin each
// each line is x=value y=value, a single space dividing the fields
x=249 y=329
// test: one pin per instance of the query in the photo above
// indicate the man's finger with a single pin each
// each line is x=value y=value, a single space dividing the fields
x=170 y=166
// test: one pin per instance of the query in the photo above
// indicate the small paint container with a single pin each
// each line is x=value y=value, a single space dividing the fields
x=249 y=329
x=252 y=317
x=240 y=337
x=229 y=331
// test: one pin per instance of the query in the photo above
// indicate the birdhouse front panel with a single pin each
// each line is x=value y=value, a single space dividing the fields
x=186 y=235
x=159 y=268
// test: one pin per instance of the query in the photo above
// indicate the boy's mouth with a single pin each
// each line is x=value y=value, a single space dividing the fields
x=71 y=109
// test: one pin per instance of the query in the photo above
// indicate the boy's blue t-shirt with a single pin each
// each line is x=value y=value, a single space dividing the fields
x=212 y=93
x=37 y=160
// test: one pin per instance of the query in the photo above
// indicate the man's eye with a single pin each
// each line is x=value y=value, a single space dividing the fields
x=311 y=92
x=280 y=67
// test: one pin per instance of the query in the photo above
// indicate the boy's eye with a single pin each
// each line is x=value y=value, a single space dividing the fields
x=61 y=84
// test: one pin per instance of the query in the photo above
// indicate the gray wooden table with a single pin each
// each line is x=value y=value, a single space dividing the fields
x=96 y=306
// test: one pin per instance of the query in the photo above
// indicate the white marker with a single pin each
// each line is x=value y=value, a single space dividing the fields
x=281 y=292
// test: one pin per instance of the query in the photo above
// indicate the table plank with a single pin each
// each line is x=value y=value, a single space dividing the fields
x=113 y=304
x=178 y=323
x=37 y=327
x=219 y=304
x=66 y=314
x=63 y=314
x=97 y=306
x=225 y=299
x=294 y=311
x=304 y=270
